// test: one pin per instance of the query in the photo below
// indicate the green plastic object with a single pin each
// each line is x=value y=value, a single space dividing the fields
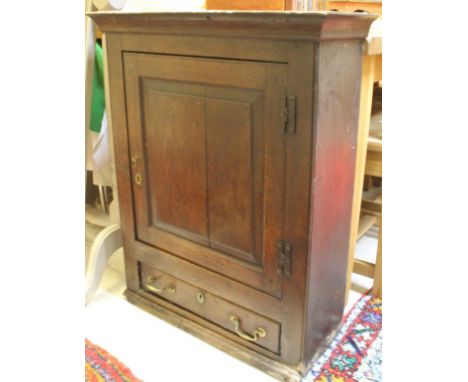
x=98 y=101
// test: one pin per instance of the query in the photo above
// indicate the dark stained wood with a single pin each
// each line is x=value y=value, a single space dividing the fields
x=118 y=119
x=297 y=197
x=213 y=308
x=231 y=177
x=335 y=132
x=207 y=46
x=197 y=98
x=236 y=292
x=175 y=147
x=216 y=189
x=273 y=25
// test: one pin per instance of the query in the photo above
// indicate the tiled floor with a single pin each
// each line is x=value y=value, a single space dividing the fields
x=156 y=351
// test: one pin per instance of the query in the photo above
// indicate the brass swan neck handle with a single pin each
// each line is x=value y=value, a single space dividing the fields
x=258 y=333
x=151 y=279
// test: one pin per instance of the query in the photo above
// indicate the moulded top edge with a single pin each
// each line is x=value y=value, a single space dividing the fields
x=307 y=25
x=234 y=14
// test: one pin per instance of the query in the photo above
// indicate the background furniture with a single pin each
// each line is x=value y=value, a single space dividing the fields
x=369 y=6
x=371 y=73
x=371 y=213
x=267 y=5
x=110 y=238
x=271 y=5
x=230 y=131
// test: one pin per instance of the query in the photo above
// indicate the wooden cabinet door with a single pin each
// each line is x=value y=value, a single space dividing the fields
x=208 y=160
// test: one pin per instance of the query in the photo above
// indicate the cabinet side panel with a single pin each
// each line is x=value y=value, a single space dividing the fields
x=337 y=88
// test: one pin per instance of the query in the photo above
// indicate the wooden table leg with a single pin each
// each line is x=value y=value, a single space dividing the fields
x=377 y=289
x=367 y=87
x=114 y=206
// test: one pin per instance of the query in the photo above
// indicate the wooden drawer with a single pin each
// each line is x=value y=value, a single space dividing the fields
x=245 y=324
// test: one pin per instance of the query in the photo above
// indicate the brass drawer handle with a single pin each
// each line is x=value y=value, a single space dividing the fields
x=258 y=333
x=151 y=279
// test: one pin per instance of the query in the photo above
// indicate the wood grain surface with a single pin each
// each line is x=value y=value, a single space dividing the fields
x=234 y=136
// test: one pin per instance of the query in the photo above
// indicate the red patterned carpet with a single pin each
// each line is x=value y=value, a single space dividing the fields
x=355 y=355
x=103 y=367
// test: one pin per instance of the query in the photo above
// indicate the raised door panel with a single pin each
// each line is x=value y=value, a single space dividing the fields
x=175 y=162
x=209 y=161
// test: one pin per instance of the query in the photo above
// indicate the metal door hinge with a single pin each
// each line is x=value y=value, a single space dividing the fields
x=284 y=250
x=288 y=114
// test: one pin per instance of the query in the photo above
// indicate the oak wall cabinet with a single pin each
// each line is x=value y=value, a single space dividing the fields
x=234 y=138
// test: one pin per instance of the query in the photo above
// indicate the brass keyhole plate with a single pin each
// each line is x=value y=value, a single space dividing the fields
x=138 y=179
x=200 y=297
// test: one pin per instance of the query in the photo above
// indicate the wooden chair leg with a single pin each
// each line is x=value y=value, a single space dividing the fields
x=377 y=289
x=367 y=87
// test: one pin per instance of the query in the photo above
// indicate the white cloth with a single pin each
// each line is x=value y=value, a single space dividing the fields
x=109 y=5
x=99 y=158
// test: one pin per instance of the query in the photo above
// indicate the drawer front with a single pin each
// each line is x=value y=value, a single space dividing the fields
x=245 y=324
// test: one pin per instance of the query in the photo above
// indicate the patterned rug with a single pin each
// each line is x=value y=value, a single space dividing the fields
x=103 y=367
x=355 y=355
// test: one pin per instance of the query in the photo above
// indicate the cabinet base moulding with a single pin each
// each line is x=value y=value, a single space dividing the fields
x=271 y=367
